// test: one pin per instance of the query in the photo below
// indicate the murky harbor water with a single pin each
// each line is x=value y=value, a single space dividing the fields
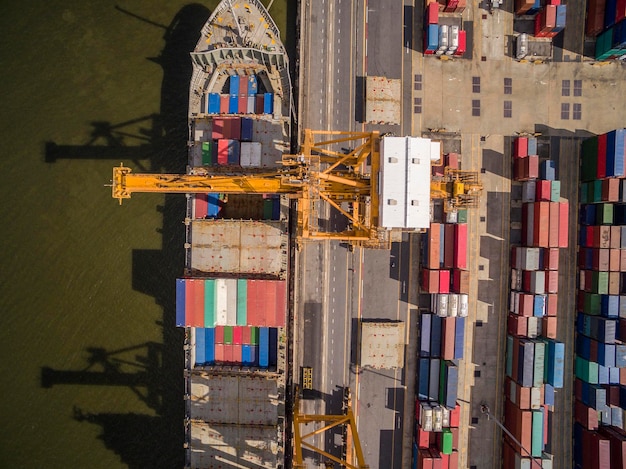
x=91 y=360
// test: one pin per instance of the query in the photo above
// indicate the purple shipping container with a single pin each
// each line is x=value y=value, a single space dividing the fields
x=459 y=338
x=180 y=302
x=435 y=334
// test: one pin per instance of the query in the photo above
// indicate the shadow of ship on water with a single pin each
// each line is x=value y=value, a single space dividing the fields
x=155 y=372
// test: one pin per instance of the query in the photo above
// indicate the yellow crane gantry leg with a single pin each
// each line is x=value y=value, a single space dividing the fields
x=352 y=442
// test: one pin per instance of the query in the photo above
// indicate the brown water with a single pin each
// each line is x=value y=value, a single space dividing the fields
x=91 y=372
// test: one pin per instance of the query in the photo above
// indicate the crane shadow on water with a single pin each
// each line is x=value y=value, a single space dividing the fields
x=153 y=371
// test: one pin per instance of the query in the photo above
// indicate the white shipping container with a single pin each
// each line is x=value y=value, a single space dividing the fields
x=581 y=280
x=522 y=462
x=221 y=302
x=442 y=305
x=533 y=327
x=437 y=419
x=538 y=282
x=453 y=305
x=528 y=191
x=231 y=299
x=452 y=217
x=251 y=104
x=463 y=305
x=426 y=417
x=445 y=417
x=250 y=155
x=513 y=279
x=535 y=398
x=530 y=258
x=512 y=302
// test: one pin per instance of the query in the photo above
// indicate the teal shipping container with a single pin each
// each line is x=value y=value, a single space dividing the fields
x=209 y=303
x=509 y=356
x=584 y=198
x=242 y=302
x=555 y=191
x=537 y=434
x=587 y=370
x=209 y=354
x=596 y=195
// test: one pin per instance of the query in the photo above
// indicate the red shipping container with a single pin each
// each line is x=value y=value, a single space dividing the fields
x=444 y=281
x=228 y=353
x=593 y=350
x=453 y=462
x=548 y=19
x=552 y=306
x=455 y=416
x=520 y=147
x=198 y=302
x=526 y=280
x=601 y=165
x=589 y=236
x=237 y=335
x=460 y=8
x=539 y=20
x=533 y=166
x=548 y=327
x=447 y=338
x=246 y=335
x=258 y=109
x=449 y=247
x=595 y=17
x=563 y=224
x=616 y=231
x=222 y=151
x=432 y=13
x=621 y=11
x=242 y=101
x=424 y=459
x=219 y=353
x=219 y=334
x=612 y=395
x=434 y=245
x=552 y=281
x=462 y=48
x=518 y=326
x=430 y=281
x=460 y=281
x=553 y=237
x=422 y=438
x=622 y=375
x=543 y=191
x=452 y=160
x=236 y=353
x=217 y=128
x=525 y=303
x=200 y=206
x=460 y=246
x=451 y=6
x=541 y=220
x=551 y=259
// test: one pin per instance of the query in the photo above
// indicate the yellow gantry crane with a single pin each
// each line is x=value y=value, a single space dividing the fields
x=347 y=181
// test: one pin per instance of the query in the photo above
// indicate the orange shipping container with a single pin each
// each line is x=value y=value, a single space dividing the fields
x=552 y=281
x=622 y=260
x=551 y=258
x=434 y=234
x=616 y=231
x=553 y=237
x=548 y=327
x=552 y=306
x=614 y=283
x=447 y=338
x=541 y=220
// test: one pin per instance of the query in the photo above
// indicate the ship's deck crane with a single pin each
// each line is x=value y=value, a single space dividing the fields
x=348 y=182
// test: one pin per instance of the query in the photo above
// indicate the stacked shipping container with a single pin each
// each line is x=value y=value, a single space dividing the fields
x=236 y=345
x=600 y=362
x=442 y=338
x=534 y=359
x=453 y=45
x=605 y=21
x=207 y=302
x=550 y=15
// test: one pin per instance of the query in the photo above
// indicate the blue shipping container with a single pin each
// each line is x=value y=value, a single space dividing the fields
x=276 y=208
x=547 y=170
x=532 y=146
x=539 y=305
x=561 y=16
x=588 y=214
x=214 y=103
x=273 y=354
x=246 y=129
x=253 y=86
x=526 y=363
x=200 y=346
x=432 y=38
x=583 y=346
x=433 y=380
x=606 y=355
x=548 y=395
x=209 y=342
x=254 y=354
x=556 y=363
x=459 y=338
x=264 y=347
x=233 y=104
x=213 y=207
x=620 y=356
x=615 y=153
x=610 y=11
x=614 y=375
x=603 y=374
x=426 y=320
x=233 y=152
x=422 y=383
x=180 y=302
x=268 y=103
x=435 y=343
x=245 y=354
x=452 y=385
x=234 y=84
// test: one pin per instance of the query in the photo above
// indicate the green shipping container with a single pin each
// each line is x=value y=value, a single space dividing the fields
x=228 y=334
x=207 y=153
x=242 y=301
x=597 y=191
x=600 y=282
x=555 y=191
x=536 y=445
x=209 y=303
x=446 y=441
x=462 y=216
x=592 y=304
x=254 y=336
x=604 y=214
x=509 y=356
x=539 y=365
x=589 y=165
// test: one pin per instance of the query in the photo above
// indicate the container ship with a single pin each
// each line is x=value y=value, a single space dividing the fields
x=232 y=299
